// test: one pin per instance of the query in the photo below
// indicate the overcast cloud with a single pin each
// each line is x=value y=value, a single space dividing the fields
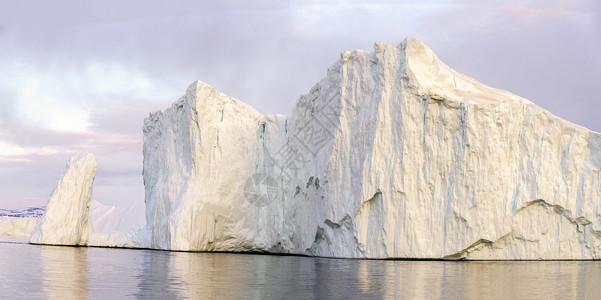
x=82 y=76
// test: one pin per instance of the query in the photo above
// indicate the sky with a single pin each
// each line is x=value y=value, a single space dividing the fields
x=82 y=75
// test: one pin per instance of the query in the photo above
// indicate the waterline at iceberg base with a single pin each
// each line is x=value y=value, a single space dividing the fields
x=392 y=155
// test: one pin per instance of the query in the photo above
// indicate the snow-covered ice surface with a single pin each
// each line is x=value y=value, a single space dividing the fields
x=66 y=220
x=392 y=155
x=118 y=226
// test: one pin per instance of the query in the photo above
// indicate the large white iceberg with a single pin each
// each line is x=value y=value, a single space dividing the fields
x=66 y=220
x=392 y=155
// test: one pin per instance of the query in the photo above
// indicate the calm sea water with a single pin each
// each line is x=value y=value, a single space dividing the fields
x=28 y=271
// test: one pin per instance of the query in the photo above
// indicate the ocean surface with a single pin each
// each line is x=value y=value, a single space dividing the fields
x=31 y=271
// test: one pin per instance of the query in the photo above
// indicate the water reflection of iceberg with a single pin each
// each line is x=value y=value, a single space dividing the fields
x=65 y=270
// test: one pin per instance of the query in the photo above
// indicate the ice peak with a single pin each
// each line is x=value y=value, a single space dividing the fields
x=414 y=46
x=431 y=77
x=442 y=83
x=197 y=86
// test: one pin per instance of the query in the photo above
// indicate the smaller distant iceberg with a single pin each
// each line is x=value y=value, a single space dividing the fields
x=66 y=220
x=28 y=212
x=19 y=223
x=72 y=217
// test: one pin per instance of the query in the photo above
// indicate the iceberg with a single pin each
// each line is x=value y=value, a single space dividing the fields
x=17 y=227
x=66 y=220
x=392 y=154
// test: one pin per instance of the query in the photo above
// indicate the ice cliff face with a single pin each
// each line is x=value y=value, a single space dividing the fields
x=392 y=154
x=65 y=221
x=198 y=154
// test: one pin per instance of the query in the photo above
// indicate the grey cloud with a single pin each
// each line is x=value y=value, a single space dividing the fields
x=30 y=181
x=64 y=13
x=7 y=109
x=32 y=175
x=215 y=47
x=27 y=184
x=125 y=119
x=553 y=62
x=37 y=138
